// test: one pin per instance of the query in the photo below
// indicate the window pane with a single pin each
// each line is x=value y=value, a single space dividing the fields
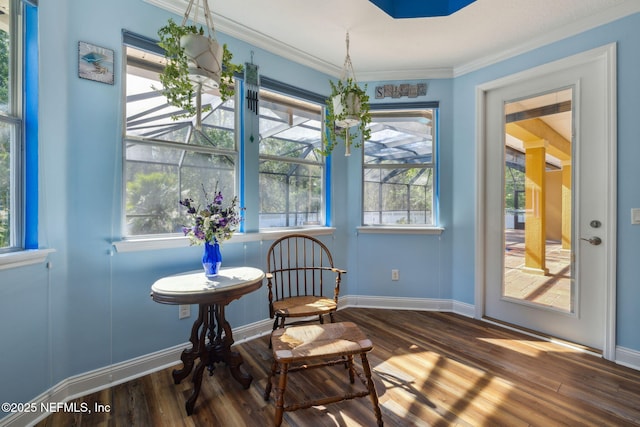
x=290 y=194
x=10 y=147
x=5 y=56
x=291 y=171
x=168 y=160
x=6 y=172
x=397 y=139
x=158 y=177
x=398 y=169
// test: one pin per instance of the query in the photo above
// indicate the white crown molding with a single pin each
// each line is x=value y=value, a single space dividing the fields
x=257 y=39
x=608 y=15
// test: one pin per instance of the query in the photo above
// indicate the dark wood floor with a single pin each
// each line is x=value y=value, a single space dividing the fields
x=430 y=369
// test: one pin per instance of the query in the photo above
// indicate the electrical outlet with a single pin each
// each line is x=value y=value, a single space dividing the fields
x=395 y=274
x=184 y=311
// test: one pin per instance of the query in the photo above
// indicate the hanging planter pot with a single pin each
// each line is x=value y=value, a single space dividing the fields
x=347 y=108
x=204 y=57
x=194 y=60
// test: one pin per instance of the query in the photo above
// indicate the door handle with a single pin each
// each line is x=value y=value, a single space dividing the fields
x=595 y=241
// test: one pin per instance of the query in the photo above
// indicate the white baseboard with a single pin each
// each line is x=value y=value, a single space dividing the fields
x=99 y=379
x=403 y=303
x=627 y=357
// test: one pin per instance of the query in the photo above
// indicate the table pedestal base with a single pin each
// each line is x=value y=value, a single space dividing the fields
x=211 y=340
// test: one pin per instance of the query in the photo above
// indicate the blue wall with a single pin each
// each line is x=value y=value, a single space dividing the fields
x=92 y=307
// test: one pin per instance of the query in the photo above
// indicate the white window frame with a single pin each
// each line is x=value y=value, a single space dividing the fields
x=415 y=228
x=140 y=43
x=297 y=101
x=13 y=119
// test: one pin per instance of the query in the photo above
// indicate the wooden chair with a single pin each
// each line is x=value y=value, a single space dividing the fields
x=299 y=269
x=298 y=348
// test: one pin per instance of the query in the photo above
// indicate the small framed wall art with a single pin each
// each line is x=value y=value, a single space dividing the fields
x=95 y=63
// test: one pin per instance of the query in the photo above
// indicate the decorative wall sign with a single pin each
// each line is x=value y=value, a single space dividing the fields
x=398 y=91
x=95 y=63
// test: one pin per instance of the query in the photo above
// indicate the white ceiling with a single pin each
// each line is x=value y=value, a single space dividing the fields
x=383 y=48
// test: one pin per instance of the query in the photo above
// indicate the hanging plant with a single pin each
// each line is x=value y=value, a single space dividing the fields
x=194 y=60
x=347 y=108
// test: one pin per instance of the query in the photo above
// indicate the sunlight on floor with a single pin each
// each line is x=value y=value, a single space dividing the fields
x=526 y=346
x=427 y=390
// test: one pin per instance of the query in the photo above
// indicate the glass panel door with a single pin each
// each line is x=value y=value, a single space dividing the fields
x=538 y=201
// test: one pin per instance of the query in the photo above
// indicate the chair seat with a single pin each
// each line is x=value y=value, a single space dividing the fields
x=304 y=306
x=319 y=341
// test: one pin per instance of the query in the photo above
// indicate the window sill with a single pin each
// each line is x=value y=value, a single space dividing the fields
x=389 y=229
x=22 y=258
x=154 y=243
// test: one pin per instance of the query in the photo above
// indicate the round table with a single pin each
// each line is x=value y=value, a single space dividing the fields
x=211 y=335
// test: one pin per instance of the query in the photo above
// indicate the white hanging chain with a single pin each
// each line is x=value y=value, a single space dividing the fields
x=207 y=16
x=347 y=68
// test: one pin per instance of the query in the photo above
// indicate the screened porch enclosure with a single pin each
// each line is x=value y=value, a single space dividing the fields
x=168 y=159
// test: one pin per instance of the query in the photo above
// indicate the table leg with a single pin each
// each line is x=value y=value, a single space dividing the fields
x=222 y=349
x=190 y=354
x=211 y=339
x=205 y=360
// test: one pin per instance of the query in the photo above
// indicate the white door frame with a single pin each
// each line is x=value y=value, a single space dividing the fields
x=608 y=53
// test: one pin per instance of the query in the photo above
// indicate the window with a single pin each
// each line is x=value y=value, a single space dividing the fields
x=292 y=173
x=167 y=160
x=13 y=162
x=399 y=168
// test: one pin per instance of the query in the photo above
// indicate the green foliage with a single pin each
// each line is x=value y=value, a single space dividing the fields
x=151 y=197
x=220 y=138
x=5 y=145
x=4 y=68
x=343 y=89
x=513 y=186
x=226 y=79
x=177 y=86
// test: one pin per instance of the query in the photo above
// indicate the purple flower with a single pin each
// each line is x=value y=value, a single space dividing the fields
x=218 y=199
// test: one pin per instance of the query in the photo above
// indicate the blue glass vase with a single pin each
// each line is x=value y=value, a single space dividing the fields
x=211 y=259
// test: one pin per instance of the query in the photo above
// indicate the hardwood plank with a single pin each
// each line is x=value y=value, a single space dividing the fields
x=429 y=368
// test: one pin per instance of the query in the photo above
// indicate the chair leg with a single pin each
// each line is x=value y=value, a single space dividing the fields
x=267 y=388
x=333 y=320
x=282 y=385
x=371 y=388
x=352 y=370
x=321 y=319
